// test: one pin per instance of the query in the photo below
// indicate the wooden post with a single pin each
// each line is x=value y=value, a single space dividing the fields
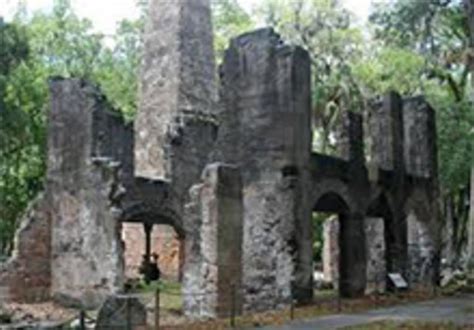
x=157 y=308
x=292 y=309
x=233 y=307
x=148 y=228
x=128 y=315
x=292 y=306
x=82 y=320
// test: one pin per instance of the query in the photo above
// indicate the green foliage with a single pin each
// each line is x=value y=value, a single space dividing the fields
x=18 y=128
x=118 y=71
x=425 y=43
x=435 y=34
x=229 y=20
x=390 y=68
x=34 y=49
x=318 y=236
x=324 y=28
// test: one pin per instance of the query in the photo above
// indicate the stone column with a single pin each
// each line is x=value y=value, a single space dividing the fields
x=375 y=253
x=386 y=125
x=177 y=87
x=331 y=251
x=212 y=282
x=265 y=115
x=352 y=278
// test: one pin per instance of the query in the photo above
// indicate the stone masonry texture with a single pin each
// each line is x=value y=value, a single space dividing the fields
x=178 y=79
x=212 y=283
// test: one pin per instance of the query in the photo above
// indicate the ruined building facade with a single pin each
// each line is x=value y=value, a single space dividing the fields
x=229 y=166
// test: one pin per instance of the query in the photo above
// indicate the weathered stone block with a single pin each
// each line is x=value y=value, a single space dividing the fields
x=353 y=255
x=349 y=138
x=122 y=313
x=26 y=276
x=212 y=283
x=421 y=252
x=419 y=138
x=178 y=77
x=386 y=132
x=375 y=252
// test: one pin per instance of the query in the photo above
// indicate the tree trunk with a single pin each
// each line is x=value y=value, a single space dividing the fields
x=470 y=251
x=469 y=9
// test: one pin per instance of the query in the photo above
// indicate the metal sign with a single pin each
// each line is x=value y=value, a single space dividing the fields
x=398 y=280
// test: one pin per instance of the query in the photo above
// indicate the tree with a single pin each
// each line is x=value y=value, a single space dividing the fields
x=229 y=20
x=469 y=10
x=325 y=30
x=34 y=49
x=437 y=32
x=13 y=51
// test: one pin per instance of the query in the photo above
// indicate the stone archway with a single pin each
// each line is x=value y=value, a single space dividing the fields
x=160 y=241
x=152 y=233
x=350 y=240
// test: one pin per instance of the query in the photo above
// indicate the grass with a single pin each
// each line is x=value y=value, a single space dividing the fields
x=324 y=304
x=411 y=325
x=170 y=294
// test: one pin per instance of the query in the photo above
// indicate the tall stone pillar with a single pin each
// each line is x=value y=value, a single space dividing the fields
x=174 y=127
x=420 y=158
x=265 y=115
x=352 y=264
x=387 y=152
x=212 y=283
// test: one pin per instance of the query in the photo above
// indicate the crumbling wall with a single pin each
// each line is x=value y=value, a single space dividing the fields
x=26 y=276
x=265 y=130
x=85 y=186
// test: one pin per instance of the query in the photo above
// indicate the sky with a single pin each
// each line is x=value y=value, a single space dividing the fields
x=106 y=13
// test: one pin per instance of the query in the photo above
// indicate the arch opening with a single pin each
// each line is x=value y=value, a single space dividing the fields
x=152 y=251
x=337 y=247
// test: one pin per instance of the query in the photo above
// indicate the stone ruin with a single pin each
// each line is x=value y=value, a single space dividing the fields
x=229 y=166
